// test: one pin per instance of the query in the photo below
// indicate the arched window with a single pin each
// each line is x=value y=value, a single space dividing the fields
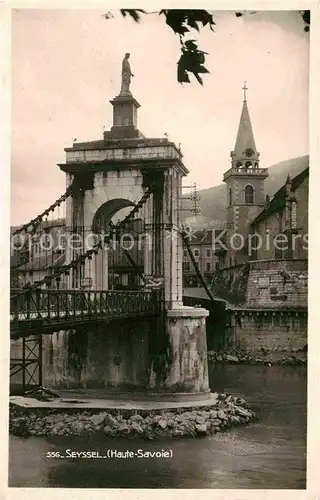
x=248 y=195
x=248 y=164
x=294 y=215
x=230 y=196
x=239 y=164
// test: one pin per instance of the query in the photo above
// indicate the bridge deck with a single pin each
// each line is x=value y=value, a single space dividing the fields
x=46 y=311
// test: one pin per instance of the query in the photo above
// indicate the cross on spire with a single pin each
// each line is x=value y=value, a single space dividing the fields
x=245 y=88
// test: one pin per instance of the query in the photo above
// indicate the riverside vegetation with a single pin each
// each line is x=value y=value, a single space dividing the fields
x=241 y=356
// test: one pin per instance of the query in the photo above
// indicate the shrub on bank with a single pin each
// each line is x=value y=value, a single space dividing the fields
x=240 y=356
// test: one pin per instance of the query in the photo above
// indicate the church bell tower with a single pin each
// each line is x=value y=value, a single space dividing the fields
x=245 y=189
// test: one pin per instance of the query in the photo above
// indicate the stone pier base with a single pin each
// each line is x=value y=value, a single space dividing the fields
x=162 y=358
x=188 y=372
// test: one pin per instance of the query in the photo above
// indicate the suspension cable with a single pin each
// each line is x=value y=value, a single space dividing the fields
x=81 y=258
x=195 y=265
x=37 y=220
x=135 y=265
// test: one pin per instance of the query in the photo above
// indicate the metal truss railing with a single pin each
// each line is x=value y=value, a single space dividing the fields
x=48 y=308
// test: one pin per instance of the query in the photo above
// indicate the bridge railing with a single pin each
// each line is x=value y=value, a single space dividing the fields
x=67 y=304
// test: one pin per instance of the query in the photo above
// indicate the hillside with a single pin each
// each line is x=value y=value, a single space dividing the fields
x=213 y=200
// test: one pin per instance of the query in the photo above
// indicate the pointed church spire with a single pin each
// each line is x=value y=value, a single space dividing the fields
x=245 y=146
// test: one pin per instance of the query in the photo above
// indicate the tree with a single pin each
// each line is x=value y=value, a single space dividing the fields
x=181 y=21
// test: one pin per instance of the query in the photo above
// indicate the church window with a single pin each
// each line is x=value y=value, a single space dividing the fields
x=248 y=195
x=248 y=164
x=230 y=196
x=294 y=215
x=239 y=164
x=186 y=267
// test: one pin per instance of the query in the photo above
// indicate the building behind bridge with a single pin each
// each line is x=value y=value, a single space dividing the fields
x=44 y=252
x=262 y=269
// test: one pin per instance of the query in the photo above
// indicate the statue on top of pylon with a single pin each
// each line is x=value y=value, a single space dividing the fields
x=126 y=75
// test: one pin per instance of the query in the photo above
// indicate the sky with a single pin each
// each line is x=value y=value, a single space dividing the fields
x=66 y=67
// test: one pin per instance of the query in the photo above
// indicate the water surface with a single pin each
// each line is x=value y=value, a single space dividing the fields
x=270 y=453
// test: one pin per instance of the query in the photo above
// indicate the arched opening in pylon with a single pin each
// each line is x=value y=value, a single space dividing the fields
x=110 y=211
x=126 y=247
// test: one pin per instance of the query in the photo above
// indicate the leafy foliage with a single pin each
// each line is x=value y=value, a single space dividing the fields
x=181 y=21
x=305 y=14
x=135 y=14
x=192 y=59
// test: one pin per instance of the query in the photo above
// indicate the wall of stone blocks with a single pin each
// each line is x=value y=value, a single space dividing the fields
x=278 y=331
x=274 y=284
x=283 y=285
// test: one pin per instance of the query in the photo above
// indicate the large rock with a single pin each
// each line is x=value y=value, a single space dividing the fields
x=242 y=412
x=124 y=429
x=136 y=428
x=201 y=429
x=177 y=433
x=98 y=419
x=200 y=420
x=231 y=359
x=109 y=431
x=235 y=420
x=111 y=421
x=216 y=422
x=20 y=426
x=77 y=427
x=162 y=424
x=156 y=418
x=136 y=418
x=58 y=428
x=222 y=415
x=171 y=423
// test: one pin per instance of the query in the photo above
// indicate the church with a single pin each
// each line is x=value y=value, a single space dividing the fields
x=262 y=252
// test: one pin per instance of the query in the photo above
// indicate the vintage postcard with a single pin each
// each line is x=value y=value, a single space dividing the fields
x=156 y=286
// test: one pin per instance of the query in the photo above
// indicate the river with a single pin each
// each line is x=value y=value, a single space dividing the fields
x=270 y=453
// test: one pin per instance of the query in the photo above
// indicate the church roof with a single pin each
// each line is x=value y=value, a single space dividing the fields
x=277 y=203
x=245 y=139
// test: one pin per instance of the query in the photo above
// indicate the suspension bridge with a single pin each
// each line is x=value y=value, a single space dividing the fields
x=100 y=271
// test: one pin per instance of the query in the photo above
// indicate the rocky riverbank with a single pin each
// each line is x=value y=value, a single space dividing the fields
x=228 y=411
x=239 y=356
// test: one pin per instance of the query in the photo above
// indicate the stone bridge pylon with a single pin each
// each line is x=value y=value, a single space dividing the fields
x=166 y=354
